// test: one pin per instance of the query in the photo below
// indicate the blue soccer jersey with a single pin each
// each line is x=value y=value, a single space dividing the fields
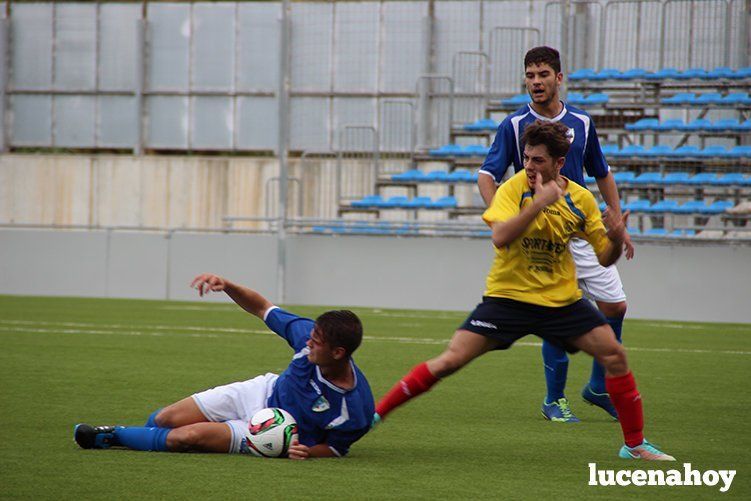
x=585 y=152
x=325 y=413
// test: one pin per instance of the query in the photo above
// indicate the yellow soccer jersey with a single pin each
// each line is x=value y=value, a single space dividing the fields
x=537 y=267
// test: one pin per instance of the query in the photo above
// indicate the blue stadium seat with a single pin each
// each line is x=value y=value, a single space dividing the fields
x=436 y=176
x=730 y=179
x=656 y=232
x=633 y=230
x=683 y=233
x=625 y=177
x=743 y=72
x=606 y=74
x=609 y=149
x=676 y=178
x=644 y=124
x=596 y=99
x=589 y=179
x=740 y=152
x=714 y=151
x=575 y=98
x=745 y=126
x=395 y=202
x=663 y=206
x=475 y=150
x=671 y=124
x=631 y=150
x=691 y=207
x=680 y=98
x=721 y=72
x=632 y=74
x=686 y=151
x=709 y=98
x=408 y=176
x=663 y=74
x=637 y=206
x=718 y=207
x=447 y=150
x=703 y=178
x=696 y=125
x=443 y=203
x=693 y=73
x=419 y=203
x=603 y=205
x=460 y=176
x=724 y=124
x=517 y=100
x=482 y=124
x=659 y=150
x=736 y=99
x=648 y=178
x=582 y=74
x=369 y=201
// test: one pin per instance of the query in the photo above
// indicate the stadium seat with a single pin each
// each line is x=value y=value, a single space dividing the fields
x=743 y=72
x=637 y=206
x=659 y=150
x=736 y=99
x=663 y=74
x=419 y=203
x=644 y=124
x=714 y=151
x=596 y=99
x=721 y=72
x=745 y=126
x=625 y=177
x=443 y=203
x=724 y=124
x=447 y=150
x=395 y=202
x=482 y=124
x=369 y=201
x=408 y=176
x=609 y=149
x=633 y=230
x=582 y=74
x=731 y=179
x=436 y=176
x=709 y=98
x=632 y=74
x=692 y=73
x=686 y=151
x=575 y=99
x=691 y=207
x=680 y=98
x=631 y=150
x=606 y=74
x=460 y=176
x=663 y=206
x=718 y=207
x=589 y=180
x=656 y=232
x=740 y=152
x=676 y=178
x=517 y=100
x=696 y=125
x=475 y=150
x=703 y=178
x=671 y=124
x=648 y=178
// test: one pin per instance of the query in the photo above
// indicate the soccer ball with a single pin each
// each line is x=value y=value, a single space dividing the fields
x=270 y=432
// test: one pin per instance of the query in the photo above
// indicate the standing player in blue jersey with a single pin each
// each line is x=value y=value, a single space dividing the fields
x=543 y=77
x=322 y=388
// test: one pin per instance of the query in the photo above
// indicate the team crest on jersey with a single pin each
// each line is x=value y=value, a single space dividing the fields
x=570 y=135
x=321 y=404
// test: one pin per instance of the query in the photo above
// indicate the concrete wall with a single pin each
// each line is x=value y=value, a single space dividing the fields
x=705 y=282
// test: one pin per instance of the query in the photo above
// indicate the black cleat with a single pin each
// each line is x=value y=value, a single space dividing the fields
x=94 y=437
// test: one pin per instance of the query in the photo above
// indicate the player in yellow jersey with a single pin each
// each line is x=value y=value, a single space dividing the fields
x=532 y=288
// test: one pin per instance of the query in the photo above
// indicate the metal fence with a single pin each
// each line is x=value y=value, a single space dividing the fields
x=206 y=76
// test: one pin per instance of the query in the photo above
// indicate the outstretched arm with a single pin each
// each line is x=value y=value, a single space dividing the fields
x=247 y=299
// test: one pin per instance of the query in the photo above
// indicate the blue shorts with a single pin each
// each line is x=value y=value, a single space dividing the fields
x=507 y=320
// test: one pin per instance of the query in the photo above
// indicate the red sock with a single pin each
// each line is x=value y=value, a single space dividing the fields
x=627 y=402
x=418 y=381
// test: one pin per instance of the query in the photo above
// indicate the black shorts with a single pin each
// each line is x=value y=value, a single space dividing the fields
x=507 y=320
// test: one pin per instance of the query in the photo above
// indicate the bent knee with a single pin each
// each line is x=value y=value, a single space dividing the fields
x=613 y=310
x=614 y=360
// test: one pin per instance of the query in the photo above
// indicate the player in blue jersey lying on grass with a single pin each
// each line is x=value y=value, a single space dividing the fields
x=532 y=287
x=322 y=388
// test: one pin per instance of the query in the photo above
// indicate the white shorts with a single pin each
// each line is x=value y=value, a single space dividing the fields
x=235 y=403
x=597 y=282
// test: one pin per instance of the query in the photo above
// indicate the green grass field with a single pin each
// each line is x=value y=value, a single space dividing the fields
x=477 y=435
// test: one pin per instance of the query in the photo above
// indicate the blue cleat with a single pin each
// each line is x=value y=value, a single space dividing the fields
x=91 y=437
x=558 y=411
x=601 y=400
x=645 y=451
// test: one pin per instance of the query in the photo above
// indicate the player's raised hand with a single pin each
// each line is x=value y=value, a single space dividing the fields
x=206 y=282
x=616 y=227
x=298 y=451
x=547 y=193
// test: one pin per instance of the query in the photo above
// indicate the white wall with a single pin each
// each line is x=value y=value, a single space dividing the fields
x=703 y=282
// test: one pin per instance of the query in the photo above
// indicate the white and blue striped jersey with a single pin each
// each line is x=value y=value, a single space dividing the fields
x=585 y=152
x=325 y=413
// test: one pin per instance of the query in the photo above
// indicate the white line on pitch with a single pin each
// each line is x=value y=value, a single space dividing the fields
x=204 y=332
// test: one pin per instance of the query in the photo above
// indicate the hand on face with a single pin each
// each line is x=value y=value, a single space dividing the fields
x=547 y=193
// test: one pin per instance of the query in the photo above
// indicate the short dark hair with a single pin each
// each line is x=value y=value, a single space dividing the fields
x=340 y=328
x=552 y=134
x=543 y=55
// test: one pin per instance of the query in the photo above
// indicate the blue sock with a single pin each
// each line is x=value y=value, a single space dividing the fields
x=597 y=379
x=141 y=438
x=151 y=422
x=555 y=362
